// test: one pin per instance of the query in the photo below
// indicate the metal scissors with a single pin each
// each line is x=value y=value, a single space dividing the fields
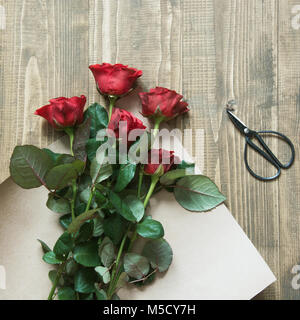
x=265 y=150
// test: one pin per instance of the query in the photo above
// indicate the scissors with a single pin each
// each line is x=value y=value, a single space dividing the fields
x=265 y=150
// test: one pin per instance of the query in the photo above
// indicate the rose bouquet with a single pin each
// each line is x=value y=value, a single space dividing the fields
x=103 y=186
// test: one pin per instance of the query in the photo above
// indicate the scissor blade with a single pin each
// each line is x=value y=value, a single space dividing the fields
x=237 y=122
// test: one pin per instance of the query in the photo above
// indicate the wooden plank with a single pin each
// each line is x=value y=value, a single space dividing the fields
x=230 y=51
x=209 y=50
x=288 y=116
x=43 y=55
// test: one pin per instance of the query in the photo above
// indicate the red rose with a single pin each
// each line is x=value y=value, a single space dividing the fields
x=123 y=130
x=157 y=158
x=114 y=80
x=162 y=103
x=63 y=112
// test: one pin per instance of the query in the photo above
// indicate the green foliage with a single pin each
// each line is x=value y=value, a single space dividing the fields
x=125 y=175
x=150 y=229
x=86 y=254
x=159 y=253
x=29 y=166
x=66 y=293
x=197 y=193
x=63 y=245
x=104 y=273
x=58 y=205
x=51 y=258
x=100 y=294
x=136 y=266
x=114 y=227
x=45 y=247
x=171 y=176
x=61 y=176
x=81 y=137
x=131 y=208
x=85 y=232
x=99 y=118
x=84 y=280
x=65 y=220
x=103 y=214
x=107 y=252
x=100 y=171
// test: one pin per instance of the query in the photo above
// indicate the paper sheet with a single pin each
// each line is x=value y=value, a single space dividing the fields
x=213 y=258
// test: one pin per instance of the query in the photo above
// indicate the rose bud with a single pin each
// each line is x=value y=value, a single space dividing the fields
x=162 y=104
x=63 y=112
x=160 y=161
x=122 y=130
x=114 y=80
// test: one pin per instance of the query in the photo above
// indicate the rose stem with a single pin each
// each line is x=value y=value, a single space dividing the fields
x=112 y=101
x=154 y=180
x=113 y=283
x=70 y=132
x=55 y=282
x=141 y=175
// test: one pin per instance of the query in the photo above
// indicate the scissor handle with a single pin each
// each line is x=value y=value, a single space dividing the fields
x=267 y=153
x=286 y=140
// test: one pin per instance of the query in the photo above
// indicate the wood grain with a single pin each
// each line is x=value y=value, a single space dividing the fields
x=211 y=51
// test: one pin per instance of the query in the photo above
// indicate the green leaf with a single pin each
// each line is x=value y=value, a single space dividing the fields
x=197 y=193
x=100 y=294
x=98 y=227
x=63 y=245
x=52 y=276
x=131 y=208
x=126 y=174
x=29 y=165
x=75 y=224
x=85 y=296
x=91 y=147
x=65 y=220
x=51 y=258
x=84 y=196
x=53 y=155
x=85 y=232
x=150 y=229
x=104 y=273
x=100 y=171
x=64 y=159
x=107 y=252
x=99 y=118
x=66 y=293
x=58 y=205
x=123 y=279
x=136 y=206
x=44 y=246
x=171 y=176
x=86 y=254
x=187 y=165
x=136 y=266
x=159 y=253
x=84 y=280
x=61 y=176
x=79 y=166
x=81 y=137
x=71 y=267
x=114 y=227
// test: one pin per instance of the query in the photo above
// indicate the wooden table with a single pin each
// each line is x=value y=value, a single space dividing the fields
x=211 y=51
